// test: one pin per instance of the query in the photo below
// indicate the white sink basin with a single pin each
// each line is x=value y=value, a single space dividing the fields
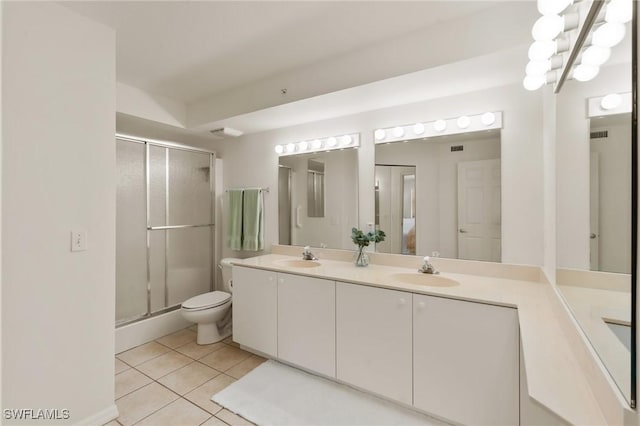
x=424 y=279
x=295 y=263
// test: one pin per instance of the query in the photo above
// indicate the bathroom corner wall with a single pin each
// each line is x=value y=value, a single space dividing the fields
x=58 y=173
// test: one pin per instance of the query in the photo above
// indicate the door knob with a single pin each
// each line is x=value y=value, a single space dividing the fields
x=462 y=231
x=421 y=306
x=592 y=236
x=402 y=301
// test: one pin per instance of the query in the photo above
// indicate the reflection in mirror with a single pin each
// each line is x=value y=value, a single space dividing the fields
x=317 y=198
x=395 y=208
x=594 y=213
x=455 y=212
x=315 y=188
x=610 y=185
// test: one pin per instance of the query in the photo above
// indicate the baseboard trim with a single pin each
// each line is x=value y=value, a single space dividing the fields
x=100 y=418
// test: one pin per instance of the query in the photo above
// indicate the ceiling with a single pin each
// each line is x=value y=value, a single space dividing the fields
x=191 y=50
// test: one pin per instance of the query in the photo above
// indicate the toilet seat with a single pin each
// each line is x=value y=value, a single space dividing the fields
x=206 y=301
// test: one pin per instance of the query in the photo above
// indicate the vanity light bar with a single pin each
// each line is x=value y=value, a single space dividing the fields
x=613 y=103
x=582 y=58
x=330 y=143
x=449 y=126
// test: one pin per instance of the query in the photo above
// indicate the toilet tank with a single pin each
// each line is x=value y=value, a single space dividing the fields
x=225 y=265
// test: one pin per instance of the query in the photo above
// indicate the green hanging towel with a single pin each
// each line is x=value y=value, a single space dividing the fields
x=234 y=213
x=252 y=220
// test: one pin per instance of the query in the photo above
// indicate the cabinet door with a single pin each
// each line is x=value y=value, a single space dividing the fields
x=307 y=322
x=255 y=309
x=373 y=339
x=465 y=361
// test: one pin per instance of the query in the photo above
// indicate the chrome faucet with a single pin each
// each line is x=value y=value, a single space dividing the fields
x=427 y=267
x=307 y=255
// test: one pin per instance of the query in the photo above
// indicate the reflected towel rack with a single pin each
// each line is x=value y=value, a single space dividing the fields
x=263 y=189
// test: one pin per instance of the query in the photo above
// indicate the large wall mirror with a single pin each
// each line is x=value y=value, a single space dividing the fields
x=317 y=197
x=440 y=196
x=595 y=212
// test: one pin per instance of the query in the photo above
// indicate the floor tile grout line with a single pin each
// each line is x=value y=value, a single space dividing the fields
x=150 y=414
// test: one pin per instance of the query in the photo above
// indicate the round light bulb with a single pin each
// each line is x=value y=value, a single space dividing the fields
x=547 y=27
x=291 y=147
x=302 y=146
x=553 y=7
x=533 y=82
x=541 y=50
x=279 y=149
x=346 y=140
x=595 y=55
x=418 y=128
x=488 y=118
x=440 y=125
x=463 y=122
x=619 y=11
x=608 y=34
x=584 y=72
x=611 y=101
x=538 y=67
x=398 y=132
x=331 y=142
x=380 y=134
x=316 y=144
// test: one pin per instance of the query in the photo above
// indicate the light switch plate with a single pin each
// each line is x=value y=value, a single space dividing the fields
x=78 y=240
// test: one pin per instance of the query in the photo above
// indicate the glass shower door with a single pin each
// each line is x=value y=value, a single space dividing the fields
x=181 y=225
x=164 y=228
x=131 y=234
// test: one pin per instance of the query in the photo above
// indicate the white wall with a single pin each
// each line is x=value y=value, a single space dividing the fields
x=251 y=161
x=572 y=159
x=58 y=170
x=549 y=171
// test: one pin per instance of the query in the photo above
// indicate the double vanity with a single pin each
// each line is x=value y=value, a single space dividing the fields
x=477 y=344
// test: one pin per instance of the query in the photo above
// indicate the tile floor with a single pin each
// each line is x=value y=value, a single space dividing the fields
x=171 y=380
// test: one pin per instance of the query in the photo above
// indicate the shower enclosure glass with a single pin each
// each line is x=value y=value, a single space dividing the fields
x=164 y=227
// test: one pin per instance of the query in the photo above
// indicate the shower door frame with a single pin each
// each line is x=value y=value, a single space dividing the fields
x=211 y=225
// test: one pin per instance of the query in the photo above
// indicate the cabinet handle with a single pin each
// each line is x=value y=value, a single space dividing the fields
x=421 y=306
x=403 y=301
x=270 y=279
x=281 y=280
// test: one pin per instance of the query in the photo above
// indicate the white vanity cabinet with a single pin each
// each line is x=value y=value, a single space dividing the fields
x=255 y=309
x=307 y=322
x=466 y=361
x=373 y=339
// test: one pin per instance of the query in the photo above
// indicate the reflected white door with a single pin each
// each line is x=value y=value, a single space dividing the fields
x=594 y=212
x=479 y=220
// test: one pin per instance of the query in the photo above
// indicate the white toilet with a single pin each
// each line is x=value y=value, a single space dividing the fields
x=211 y=311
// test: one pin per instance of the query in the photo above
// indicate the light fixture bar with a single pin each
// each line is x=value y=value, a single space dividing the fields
x=329 y=143
x=430 y=129
x=589 y=20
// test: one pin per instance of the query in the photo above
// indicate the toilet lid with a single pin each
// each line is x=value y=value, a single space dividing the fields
x=207 y=300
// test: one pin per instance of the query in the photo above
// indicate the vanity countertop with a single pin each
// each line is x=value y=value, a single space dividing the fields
x=554 y=376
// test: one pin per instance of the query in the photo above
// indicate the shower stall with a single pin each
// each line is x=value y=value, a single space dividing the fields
x=164 y=227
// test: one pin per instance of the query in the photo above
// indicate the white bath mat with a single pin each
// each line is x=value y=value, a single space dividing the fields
x=276 y=394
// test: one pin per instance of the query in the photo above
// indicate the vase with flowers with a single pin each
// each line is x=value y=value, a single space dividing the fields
x=362 y=240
